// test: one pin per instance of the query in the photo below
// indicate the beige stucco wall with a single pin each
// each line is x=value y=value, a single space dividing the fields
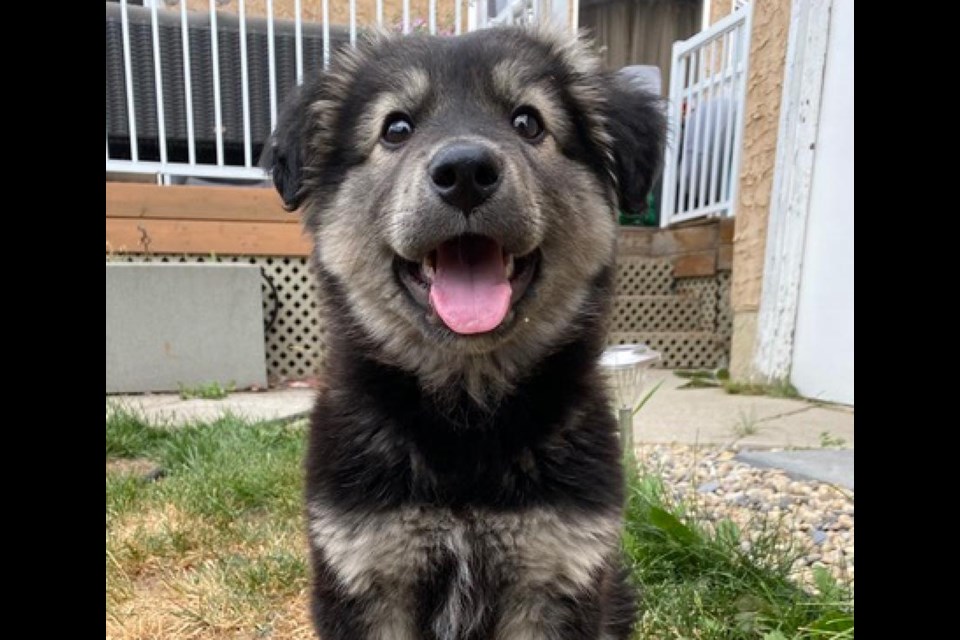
x=768 y=48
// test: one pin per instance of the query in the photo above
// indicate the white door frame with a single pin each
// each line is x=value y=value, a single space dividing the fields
x=790 y=199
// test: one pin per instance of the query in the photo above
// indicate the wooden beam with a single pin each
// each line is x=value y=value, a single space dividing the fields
x=690 y=265
x=249 y=204
x=206 y=236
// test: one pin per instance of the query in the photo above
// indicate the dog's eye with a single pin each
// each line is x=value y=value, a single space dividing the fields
x=397 y=129
x=527 y=123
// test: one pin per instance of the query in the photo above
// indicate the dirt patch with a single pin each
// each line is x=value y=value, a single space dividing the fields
x=141 y=467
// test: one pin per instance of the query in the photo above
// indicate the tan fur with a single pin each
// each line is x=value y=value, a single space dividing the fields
x=385 y=552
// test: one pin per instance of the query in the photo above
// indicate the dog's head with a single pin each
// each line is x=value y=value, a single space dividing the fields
x=462 y=193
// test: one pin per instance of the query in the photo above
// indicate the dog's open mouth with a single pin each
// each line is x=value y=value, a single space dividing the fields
x=470 y=282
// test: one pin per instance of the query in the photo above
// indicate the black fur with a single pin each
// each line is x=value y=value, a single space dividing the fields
x=637 y=126
x=380 y=442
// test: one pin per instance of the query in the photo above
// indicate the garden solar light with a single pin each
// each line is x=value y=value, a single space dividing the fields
x=626 y=366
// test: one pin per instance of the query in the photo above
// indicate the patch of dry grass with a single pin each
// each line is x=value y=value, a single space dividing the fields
x=213 y=550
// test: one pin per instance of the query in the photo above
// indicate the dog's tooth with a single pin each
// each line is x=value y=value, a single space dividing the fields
x=427 y=267
x=508 y=265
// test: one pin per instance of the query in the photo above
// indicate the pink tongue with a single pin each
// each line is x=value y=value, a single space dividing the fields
x=470 y=291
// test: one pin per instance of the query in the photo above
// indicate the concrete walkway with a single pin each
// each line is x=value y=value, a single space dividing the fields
x=673 y=415
x=262 y=405
x=791 y=435
x=713 y=416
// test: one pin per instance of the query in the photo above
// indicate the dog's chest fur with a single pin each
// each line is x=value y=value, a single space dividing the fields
x=429 y=531
x=462 y=574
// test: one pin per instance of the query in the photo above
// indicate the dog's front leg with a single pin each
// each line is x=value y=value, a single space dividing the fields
x=372 y=616
x=542 y=617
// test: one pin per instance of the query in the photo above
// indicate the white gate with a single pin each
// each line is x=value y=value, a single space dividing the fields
x=708 y=78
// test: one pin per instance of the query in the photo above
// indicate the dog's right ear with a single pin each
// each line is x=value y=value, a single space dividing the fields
x=283 y=155
x=637 y=125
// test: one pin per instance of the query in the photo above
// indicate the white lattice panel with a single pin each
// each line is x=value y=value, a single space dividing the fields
x=644 y=276
x=724 y=310
x=678 y=350
x=657 y=313
x=705 y=288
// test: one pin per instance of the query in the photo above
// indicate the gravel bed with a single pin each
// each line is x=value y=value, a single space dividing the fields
x=817 y=515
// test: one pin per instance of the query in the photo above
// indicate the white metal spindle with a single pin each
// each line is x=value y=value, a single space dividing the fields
x=433 y=17
x=298 y=36
x=406 y=16
x=709 y=100
x=379 y=13
x=697 y=130
x=272 y=66
x=719 y=99
x=668 y=192
x=353 y=22
x=684 y=126
x=456 y=16
x=158 y=82
x=325 y=8
x=128 y=81
x=727 y=179
x=187 y=84
x=245 y=87
x=215 y=55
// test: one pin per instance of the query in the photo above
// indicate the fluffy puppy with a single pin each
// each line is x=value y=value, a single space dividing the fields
x=463 y=474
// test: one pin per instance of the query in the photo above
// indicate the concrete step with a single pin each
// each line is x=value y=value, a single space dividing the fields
x=679 y=349
x=644 y=276
x=679 y=312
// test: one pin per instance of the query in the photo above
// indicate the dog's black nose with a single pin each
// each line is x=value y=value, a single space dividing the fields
x=464 y=175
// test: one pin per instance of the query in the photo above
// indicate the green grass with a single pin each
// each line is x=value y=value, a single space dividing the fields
x=215 y=548
x=708 y=582
x=215 y=545
x=828 y=440
x=720 y=378
x=210 y=391
x=781 y=389
x=747 y=425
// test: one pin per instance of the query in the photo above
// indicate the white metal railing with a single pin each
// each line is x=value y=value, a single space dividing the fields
x=708 y=78
x=194 y=93
x=529 y=12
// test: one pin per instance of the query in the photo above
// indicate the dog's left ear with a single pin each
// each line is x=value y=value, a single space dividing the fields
x=637 y=125
x=283 y=155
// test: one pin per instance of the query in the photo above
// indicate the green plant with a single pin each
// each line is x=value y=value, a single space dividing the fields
x=715 y=582
x=702 y=378
x=211 y=391
x=706 y=378
x=647 y=397
x=746 y=425
x=778 y=389
x=828 y=440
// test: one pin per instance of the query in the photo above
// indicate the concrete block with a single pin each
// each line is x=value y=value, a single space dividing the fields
x=189 y=324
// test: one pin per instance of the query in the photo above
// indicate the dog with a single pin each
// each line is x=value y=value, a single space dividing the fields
x=463 y=473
